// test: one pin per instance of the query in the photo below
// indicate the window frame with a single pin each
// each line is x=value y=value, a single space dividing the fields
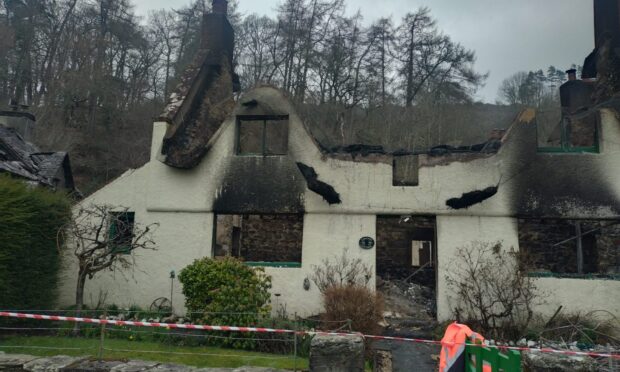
x=264 y=119
x=581 y=238
x=566 y=147
x=121 y=247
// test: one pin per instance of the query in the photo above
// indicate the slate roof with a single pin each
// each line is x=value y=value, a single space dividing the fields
x=22 y=159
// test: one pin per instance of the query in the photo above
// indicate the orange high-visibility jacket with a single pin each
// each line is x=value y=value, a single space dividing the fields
x=452 y=358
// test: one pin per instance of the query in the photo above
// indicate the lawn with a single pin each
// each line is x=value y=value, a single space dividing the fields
x=115 y=349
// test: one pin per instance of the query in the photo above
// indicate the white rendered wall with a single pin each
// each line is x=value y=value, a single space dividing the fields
x=182 y=202
x=324 y=236
x=180 y=238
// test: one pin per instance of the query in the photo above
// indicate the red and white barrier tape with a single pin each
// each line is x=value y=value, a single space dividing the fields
x=275 y=330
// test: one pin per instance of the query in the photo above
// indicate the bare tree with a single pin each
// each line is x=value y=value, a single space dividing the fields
x=532 y=88
x=103 y=237
x=162 y=23
x=492 y=289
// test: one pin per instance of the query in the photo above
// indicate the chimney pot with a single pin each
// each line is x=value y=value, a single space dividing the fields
x=220 y=7
x=572 y=74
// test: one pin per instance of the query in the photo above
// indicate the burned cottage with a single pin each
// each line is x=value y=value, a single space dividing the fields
x=250 y=178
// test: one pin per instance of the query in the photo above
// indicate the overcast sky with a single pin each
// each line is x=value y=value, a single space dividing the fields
x=508 y=36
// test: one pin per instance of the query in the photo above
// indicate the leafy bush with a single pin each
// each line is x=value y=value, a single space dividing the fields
x=226 y=292
x=29 y=256
x=357 y=303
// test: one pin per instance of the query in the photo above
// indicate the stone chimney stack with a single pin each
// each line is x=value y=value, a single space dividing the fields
x=220 y=7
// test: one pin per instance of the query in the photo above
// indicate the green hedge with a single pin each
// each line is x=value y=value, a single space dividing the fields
x=30 y=218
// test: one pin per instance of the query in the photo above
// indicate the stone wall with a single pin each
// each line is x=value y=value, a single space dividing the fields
x=337 y=354
x=272 y=237
x=539 y=239
x=394 y=237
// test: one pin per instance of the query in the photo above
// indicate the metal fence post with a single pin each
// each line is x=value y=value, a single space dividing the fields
x=295 y=327
x=102 y=336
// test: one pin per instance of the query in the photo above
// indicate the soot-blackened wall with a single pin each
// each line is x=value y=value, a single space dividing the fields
x=562 y=185
x=272 y=238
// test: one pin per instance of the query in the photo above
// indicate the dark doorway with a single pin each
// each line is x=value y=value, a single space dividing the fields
x=406 y=246
x=406 y=264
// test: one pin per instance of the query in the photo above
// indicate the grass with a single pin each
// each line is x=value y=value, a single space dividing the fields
x=198 y=356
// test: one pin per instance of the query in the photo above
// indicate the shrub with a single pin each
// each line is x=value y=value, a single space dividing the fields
x=226 y=292
x=493 y=292
x=30 y=218
x=362 y=306
x=341 y=271
x=343 y=283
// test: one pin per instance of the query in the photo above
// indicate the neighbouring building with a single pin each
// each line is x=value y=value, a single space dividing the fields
x=21 y=159
x=253 y=178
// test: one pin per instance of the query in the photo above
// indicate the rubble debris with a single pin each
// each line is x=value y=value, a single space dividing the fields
x=471 y=198
x=554 y=362
x=407 y=304
x=326 y=191
x=383 y=361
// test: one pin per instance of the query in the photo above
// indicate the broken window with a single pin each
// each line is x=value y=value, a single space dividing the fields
x=568 y=134
x=572 y=247
x=266 y=239
x=405 y=170
x=262 y=135
x=121 y=232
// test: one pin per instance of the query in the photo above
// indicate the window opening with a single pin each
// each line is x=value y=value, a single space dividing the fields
x=405 y=170
x=260 y=239
x=571 y=134
x=262 y=135
x=570 y=247
x=421 y=253
x=121 y=232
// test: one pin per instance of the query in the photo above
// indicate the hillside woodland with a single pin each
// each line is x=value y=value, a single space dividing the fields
x=95 y=74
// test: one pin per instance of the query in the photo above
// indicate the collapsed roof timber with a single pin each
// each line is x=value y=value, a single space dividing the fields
x=22 y=159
